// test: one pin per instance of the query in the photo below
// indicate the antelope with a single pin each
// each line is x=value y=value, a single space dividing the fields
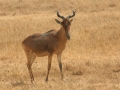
x=47 y=44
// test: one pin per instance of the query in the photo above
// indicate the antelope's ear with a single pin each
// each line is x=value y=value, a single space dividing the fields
x=59 y=22
x=71 y=20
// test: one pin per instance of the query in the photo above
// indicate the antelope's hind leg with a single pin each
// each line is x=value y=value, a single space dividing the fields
x=30 y=59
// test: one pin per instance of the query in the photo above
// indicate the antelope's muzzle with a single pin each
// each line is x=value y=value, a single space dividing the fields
x=68 y=35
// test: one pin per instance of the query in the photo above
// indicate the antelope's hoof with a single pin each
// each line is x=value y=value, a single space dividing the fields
x=64 y=80
x=61 y=78
x=46 y=79
x=32 y=81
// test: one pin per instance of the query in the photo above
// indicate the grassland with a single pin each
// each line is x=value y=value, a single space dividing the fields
x=91 y=60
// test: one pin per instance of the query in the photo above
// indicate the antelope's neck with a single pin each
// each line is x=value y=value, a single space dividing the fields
x=62 y=35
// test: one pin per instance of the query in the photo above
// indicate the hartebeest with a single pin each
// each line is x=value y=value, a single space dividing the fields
x=47 y=44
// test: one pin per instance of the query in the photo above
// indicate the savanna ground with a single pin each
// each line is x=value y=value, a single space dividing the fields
x=91 y=60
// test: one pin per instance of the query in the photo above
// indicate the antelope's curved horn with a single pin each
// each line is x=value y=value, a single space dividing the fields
x=60 y=16
x=70 y=16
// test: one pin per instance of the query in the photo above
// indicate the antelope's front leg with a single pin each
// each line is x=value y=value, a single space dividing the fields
x=60 y=64
x=49 y=65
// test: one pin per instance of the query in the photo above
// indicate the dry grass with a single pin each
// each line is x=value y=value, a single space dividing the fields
x=91 y=60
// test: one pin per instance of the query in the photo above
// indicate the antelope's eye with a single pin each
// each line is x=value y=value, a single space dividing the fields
x=69 y=23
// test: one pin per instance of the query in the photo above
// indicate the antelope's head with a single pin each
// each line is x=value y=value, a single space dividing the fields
x=66 y=22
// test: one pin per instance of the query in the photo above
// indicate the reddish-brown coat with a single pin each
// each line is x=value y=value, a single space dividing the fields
x=47 y=44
